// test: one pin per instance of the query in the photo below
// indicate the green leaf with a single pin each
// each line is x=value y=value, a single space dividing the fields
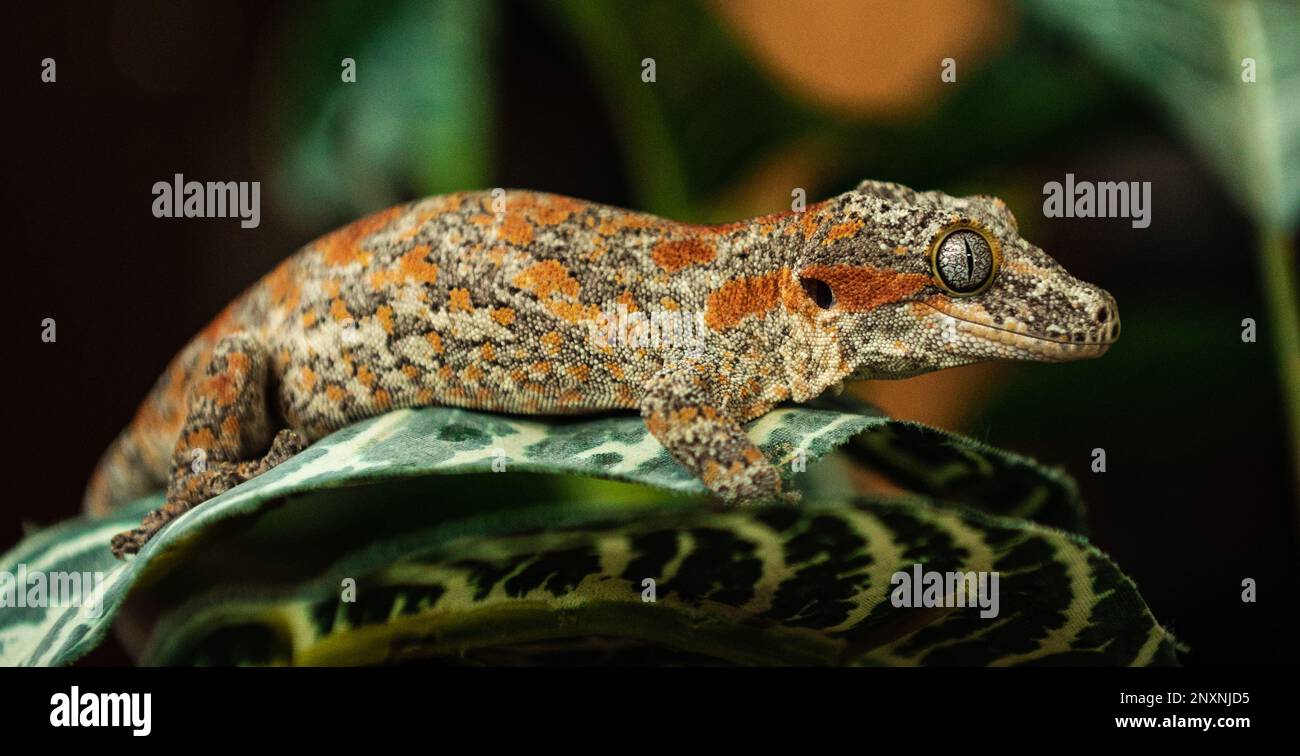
x=396 y=446
x=410 y=481
x=414 y=122
x=960 y=470
x=1189 y=54
x=806 y=586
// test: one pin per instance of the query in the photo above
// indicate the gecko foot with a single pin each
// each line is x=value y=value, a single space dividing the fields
x=199 y=487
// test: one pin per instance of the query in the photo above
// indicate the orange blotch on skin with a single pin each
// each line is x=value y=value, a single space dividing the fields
x=571 y=311
x=488 y=352
x=385 y=316
x=459 y=301
x=435 y=341
x=220 y=388
x=543 y=367
x=503 y=315
x=842 y=231
x=366 y=377
x=382 y=400
x=546 y=278
x=742 y=297
x=307 y=378
x=580 y=373
x=673 y=255
x=282 y=285
x=657 y=425
x=615 y=370
x=551 y=341
x=809 y=223
x=860 y=288
x=472 y=374
x=339 y=311
x=545 y=209
x=411 y=371
x=721 y=229
x=335 y=393
x=230 y=428
x=712 y=472
x=200 y=439
x=344 y=245
x=516 y=230
x=237 y=362
x=625 y=220
x=411 y=267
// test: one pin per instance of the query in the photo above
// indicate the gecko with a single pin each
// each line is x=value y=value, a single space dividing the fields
x=500 y=301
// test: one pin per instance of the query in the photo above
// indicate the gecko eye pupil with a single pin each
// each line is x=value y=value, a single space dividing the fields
x=964 y=261
x=819 y=292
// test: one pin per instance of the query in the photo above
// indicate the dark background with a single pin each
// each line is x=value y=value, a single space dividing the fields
x=1198 y=491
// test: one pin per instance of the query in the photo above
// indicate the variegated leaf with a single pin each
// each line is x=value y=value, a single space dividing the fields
x=399 y=445
x=380 y=489
x=807 y=586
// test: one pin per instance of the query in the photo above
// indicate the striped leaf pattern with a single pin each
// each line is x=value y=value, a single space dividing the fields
x=419 y=497
x=807 y=586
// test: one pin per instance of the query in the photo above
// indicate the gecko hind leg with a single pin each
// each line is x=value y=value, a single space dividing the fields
x=227 y=425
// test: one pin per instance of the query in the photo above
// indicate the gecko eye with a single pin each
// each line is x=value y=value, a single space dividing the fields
x=965 y=260
x=819 y=292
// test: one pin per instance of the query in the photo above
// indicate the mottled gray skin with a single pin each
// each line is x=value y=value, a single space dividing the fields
x=496 y=301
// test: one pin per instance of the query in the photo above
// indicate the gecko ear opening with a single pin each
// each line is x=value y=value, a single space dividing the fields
x=819 y=292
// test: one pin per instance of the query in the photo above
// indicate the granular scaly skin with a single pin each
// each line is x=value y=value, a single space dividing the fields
x=504 y=303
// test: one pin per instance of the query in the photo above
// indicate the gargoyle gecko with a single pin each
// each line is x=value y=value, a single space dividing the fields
x=490 y=301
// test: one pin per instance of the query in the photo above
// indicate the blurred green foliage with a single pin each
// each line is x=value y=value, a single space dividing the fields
x=421 y=124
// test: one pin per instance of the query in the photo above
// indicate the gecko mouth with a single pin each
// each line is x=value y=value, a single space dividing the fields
x=1043 y=348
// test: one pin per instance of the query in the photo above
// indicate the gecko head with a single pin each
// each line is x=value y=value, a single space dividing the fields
x=910 y=282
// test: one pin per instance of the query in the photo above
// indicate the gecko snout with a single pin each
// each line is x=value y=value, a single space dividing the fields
x=1105 y=323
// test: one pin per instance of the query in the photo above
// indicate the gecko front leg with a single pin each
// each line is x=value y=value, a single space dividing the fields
x=683 y=409
x=227 y=422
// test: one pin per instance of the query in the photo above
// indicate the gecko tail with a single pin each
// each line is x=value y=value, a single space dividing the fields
x=122 y=475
